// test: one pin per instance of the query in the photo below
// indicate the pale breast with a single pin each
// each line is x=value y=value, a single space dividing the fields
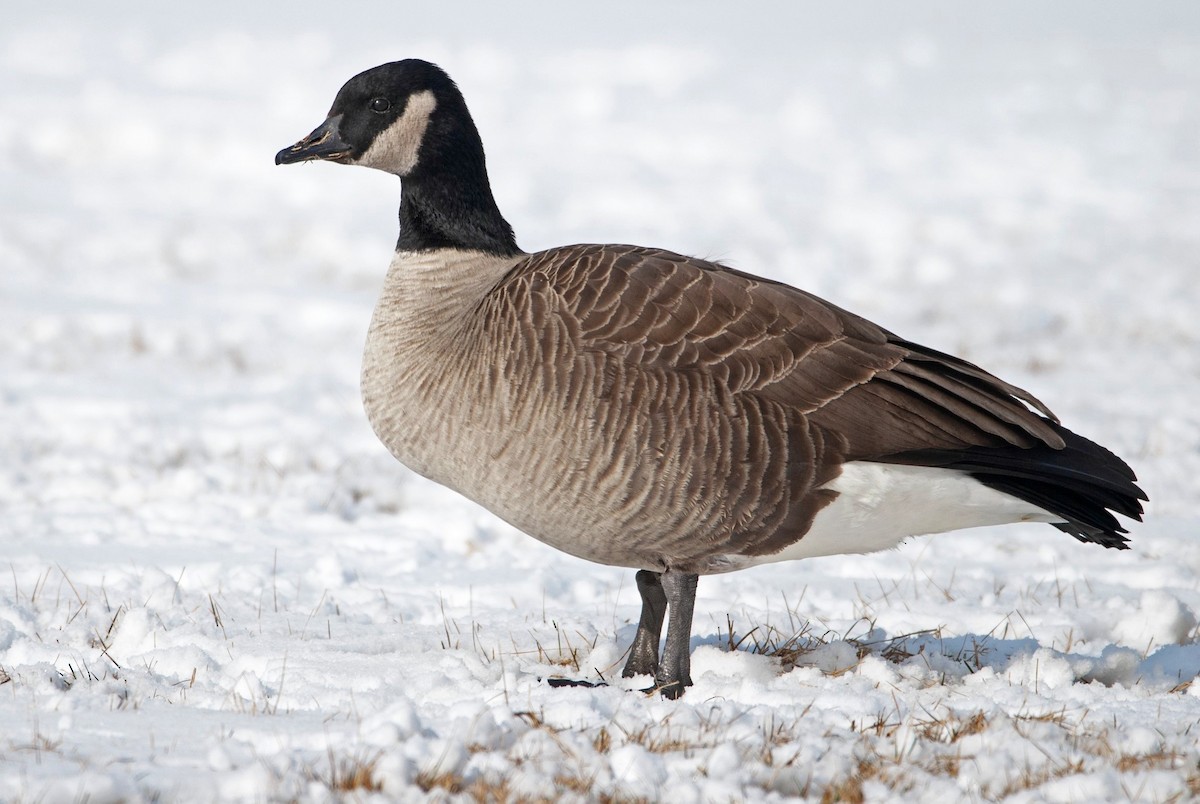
x=421 y=380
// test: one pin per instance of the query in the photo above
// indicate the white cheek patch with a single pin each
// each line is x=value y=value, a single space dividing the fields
x=397 y=146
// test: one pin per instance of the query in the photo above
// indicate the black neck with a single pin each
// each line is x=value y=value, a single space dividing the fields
x=446 y=201
x=437 y=212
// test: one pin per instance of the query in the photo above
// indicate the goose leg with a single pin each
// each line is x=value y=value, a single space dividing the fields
x=643 y=656
x=674 y=671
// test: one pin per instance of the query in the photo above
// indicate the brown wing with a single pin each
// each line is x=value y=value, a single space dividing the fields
x=883 y=395
x=725 y=402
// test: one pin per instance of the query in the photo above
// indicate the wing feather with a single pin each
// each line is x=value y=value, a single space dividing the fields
x=883 y=394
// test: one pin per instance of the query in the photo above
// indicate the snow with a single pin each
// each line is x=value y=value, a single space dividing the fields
x=221 y=587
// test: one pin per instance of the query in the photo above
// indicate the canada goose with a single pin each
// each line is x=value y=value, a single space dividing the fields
x=639 y=408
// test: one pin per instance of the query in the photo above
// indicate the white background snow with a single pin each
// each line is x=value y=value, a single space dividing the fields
x=218 y=586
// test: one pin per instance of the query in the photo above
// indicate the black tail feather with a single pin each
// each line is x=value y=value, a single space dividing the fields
x=1082 y=483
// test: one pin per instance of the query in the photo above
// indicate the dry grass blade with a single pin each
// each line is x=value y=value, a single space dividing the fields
x=353 y=773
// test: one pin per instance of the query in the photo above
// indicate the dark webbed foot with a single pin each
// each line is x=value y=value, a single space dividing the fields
x=674 y=672
x=574 y=682
x=643 y=655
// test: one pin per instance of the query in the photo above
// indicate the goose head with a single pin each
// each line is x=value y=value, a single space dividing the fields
x=385 y=117
x=408 y=118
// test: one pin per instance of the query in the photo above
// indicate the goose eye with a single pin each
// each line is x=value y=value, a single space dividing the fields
x=380 y=105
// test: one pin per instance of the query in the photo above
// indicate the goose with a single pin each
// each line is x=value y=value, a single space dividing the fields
x=639 y=408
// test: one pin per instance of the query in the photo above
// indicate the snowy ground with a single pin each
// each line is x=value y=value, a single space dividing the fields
x=220 y=587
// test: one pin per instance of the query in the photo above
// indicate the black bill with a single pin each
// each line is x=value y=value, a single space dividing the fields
x=324 y=143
